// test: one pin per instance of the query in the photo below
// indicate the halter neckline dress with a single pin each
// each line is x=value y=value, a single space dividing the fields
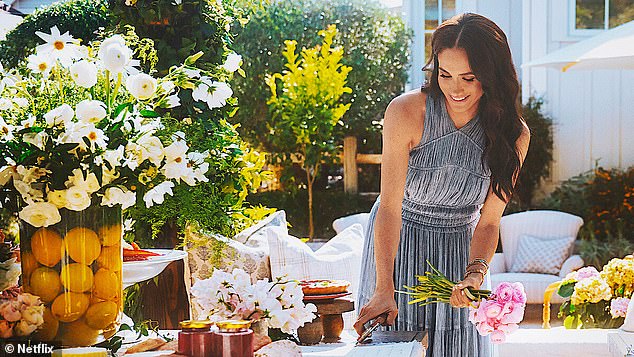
x=445 y=188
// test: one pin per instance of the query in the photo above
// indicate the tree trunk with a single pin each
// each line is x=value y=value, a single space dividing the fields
x=311 y=224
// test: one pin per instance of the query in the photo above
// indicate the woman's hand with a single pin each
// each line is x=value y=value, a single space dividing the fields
x=458 y=297
x=381 y=303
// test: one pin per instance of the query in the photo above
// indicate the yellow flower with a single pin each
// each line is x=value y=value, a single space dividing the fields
x=620 y=272
x=591 y=290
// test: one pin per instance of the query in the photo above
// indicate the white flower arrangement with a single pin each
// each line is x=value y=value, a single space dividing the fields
x=232 y=296
x=80 y=125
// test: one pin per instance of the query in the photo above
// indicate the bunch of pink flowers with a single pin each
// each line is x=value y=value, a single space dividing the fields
x=20 y=313
x=500 y=313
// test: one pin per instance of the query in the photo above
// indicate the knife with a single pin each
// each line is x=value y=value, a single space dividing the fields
x=375 y=325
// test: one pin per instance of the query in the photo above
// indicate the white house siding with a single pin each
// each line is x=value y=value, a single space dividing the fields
x=28 y=6
x=589 y=108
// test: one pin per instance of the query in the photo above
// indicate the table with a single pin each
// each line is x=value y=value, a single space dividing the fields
x=556 y=342
x=345 y=347
x=620 y=343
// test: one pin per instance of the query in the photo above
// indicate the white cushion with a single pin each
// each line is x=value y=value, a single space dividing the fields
x=536 y=255
x=534 y=284
x=497 y=264
x=275 y=219
x=571 y=264
x=339 y=258
x=342 y=223
x=543 y=224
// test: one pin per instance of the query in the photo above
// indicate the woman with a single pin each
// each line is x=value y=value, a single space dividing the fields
x=451 y=154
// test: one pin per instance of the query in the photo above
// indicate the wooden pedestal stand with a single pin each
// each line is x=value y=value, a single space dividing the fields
x=329 y=317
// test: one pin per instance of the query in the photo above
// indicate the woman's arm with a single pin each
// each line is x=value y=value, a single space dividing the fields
x=487 y=232
x=402 y=129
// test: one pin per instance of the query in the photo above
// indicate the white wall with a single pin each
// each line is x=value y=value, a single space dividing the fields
x=28 y=6
x=588 y=107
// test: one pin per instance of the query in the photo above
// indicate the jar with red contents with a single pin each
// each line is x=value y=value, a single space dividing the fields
x=234 y=338
x=195 y=338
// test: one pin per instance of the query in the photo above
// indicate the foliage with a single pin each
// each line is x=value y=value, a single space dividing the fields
x=604 y=199
x=81 y=17
x=536 y=166
x=178 y=31
x=307 y=107
x=376 y=45
x=328 y=206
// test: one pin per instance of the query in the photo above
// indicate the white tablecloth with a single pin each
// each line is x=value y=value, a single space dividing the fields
x=556 y=342
x=346 y=348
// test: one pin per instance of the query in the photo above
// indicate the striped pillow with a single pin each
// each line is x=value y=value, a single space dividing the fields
x=541 y=255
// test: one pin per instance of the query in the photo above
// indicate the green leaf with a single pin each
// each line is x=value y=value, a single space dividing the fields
x=146 y=113
x=566 y=290
x=122 y=107
x=193 y=58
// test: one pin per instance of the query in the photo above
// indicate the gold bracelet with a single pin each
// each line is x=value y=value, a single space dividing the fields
x=476 y=271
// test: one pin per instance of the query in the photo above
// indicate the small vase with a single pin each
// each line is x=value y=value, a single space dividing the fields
x=75 y=268
x=628 y=324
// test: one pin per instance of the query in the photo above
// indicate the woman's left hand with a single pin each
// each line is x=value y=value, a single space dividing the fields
x=458 y=297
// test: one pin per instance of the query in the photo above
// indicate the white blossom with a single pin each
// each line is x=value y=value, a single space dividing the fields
x=57 y=197
x=84 y=73
x=91 y=111
x=117 y=195
x=77 y=198
x=40 y=63
x=60 y=115
x=142 y=86
x=157 y=194
x=114 y=54
x=62 y=47
x=215 y=94
x=36 y=139
x=40 y=214
x=233 y=62
x=5 y=103
x=21 y=102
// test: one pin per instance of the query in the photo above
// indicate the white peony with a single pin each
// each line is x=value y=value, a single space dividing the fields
x=84 y=73
x=89 y=184
x=114 y=54
x=142 y=86
x=233 y=62
x=57 y=197
x=40 y=214
x=116 y=195
x=150 y=148
x=91 y=111
x=77 y=198
x=60 y=115
x=157 y=194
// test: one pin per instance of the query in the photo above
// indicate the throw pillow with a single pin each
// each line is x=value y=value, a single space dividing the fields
x=202 y=258
x=541 y=255
x=275 y=219
x=339 y=258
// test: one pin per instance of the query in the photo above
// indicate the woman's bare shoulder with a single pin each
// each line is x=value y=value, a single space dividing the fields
x=406 y=114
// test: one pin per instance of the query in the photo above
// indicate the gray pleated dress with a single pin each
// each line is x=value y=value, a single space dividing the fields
x=446 y=186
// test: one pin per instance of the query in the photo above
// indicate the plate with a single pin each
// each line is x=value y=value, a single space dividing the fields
x=325 y=296
x=142 y=270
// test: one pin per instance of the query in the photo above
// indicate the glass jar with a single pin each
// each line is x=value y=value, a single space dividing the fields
x=234 y=338
x=75 y=268
x=195 y=338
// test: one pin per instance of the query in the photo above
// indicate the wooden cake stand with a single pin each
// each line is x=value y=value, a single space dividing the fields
x=329 y=321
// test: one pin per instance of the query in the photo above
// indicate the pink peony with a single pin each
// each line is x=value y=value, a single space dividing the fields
x=476 y=314
x=618 y=307
x=515 y=316
x=508 y=328
x=484 y=328
x=519 y=294
x=504 y=292
x=587 y=272
x=498 y=337
x=492 y=309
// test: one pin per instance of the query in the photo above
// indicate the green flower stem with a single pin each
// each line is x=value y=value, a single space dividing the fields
x=116 y=88
x=108 y=105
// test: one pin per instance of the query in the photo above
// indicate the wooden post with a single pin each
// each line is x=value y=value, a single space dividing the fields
x=350 y=174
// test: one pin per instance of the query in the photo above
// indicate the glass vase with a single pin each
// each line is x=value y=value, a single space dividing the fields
x=75 y=267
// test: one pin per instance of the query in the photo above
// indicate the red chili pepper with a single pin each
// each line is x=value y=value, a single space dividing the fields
x=138 y=252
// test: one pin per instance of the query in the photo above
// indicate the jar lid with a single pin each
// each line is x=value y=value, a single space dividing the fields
x=196 y=324
x=233 y=325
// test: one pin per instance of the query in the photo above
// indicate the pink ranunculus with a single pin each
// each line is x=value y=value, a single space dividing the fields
x=587 y=272
x=484 y=328
x=504 y=292
x=519 y=294
x=6 y=331
x=492 y=309
x=618 y=307
x=498 y=337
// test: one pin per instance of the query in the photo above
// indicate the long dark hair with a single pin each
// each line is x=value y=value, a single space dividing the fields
x=500 y=111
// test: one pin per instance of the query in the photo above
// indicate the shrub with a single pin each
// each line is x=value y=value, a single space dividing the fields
x=80 y=17
x=376 y=45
